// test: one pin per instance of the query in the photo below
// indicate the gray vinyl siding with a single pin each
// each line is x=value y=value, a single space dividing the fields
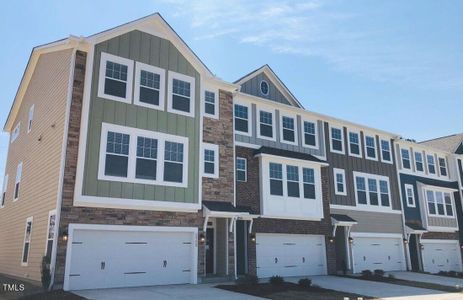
x=373 y=221
x=356 y=164
x=159 y=52
x=320 y=151
x=442 y=222
x=252 y=87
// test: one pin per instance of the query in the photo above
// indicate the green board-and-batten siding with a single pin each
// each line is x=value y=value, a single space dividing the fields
x=148 y=49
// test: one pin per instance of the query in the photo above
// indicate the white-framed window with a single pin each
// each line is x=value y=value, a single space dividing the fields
x=419 y=167
x=4 y=193
x=354 y=148
x=16 y=131
x=181 y=94
x=242 y=116
x=442 y=166
x=30 y=118
x=288 y=132
x=308 y=179
x=292 y=181
x=276 y=179
x=405 y=156
x=410 y=195
x=150 y=86
x=51 y=232
x=339 y=182
x=336 y=140
x=370 y=147
x=241 y=169
x=115 y=78
x=210 y=160
x=27 y=242
x=17 y=183
x=266 y=124
x=372 y=190
x=310 y=138
x=440 y=203
x=292 y=175
x=386 y=155
x=211 y=103
x=431 y=164
x=141 y=156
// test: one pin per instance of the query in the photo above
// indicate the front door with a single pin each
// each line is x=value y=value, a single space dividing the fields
x=413 y=246
x=241 y=245
x=210 y=250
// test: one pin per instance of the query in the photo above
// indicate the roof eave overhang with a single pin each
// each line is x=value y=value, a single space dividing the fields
x=321 y=163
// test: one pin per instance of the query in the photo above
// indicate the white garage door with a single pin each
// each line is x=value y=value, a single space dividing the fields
x=123 y=258
x=290 y=255
x=441 y=255
x=384 y=253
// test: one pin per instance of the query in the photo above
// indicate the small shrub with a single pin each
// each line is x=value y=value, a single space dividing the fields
x=391 y=276
x=46 y=274
x=379 y=273
x=460 y=274
x=367 y=273
x=453 y=273
x=305 y=283
x=276 y=280
x=443 y=273
x=247 y=280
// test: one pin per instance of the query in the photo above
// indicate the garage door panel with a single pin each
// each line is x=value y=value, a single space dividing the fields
x=372 y=253
x=443 y=256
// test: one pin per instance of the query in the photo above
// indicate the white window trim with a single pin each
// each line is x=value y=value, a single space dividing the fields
x=381 y=150
x=4 y=190
x=365 y=135
x=162 y=85
x=174 y=75
x=132 y=160
x=268 y=86
x=303 y=133
x=19 y=170
x=272 y=111
x=29 y=219
x=402 y=159
x=16 y=132
x=102 y=75
x=343 y=173
x=245 y=169
x=30 y=118
x=50 y=213
x=423 y=161
x=446 y=166
x=295 y=128
x=436 y=171
x=367 y=176
x=215 y=148
x=407 y=187
x=249 y=120
x=444 y=191
x=216 y=102
x=342 y=139
x=359 y=144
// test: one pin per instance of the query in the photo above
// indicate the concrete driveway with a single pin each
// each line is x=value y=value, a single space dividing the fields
x=167 y=292
x=442 y=280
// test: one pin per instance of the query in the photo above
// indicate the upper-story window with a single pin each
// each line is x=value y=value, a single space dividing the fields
x=181 y=94
x=27 y=241
x=173 y=162
x=4 y=191
x=354 y=144
x=211 y=160
x=147 y=154
x=442 y=166
x=419 y=162
x=149 y=86
x=405 y=154
x=370 y=147
x=266 y=124
x=293 y=181
x=117 y=154
x=310 y=134
x=431 y=164
x=211 y=108
x=115 y=78
x=288 y=130
x=439 y=203
x=30 y=118
x=340 y=182
x=308 y=177
x=386 y=151
x=264 y=87
x=372 y=190
x=336 y=140
x=241 y=169
x=241 y=113
x=292 y=178
x=17 y=184
x=16 y=131
x=410 y=195
x=276 y=179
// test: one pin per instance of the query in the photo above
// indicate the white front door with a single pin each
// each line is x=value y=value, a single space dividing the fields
x=118 y=258
x=441 y=255
x=372 y=253
x=290 y=255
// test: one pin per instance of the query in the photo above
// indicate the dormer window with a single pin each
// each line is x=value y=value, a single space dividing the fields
x=264 y=87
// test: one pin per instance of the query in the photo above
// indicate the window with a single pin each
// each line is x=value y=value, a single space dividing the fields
x=442 y=166
x=448 y=204
x=241 y=118
x=27 y=241
x=419 y=162
x=354 y=144
x=15 y=133
x=266 y=124
x=30 y=118
x=173 y=162
x=439 y=203
x=115 y=78
x=384 y=191
x=410 y=195
x=288 y=132
x=372 y=190
x=431 y=202
x=340 y=182
x=310 y=134
x=211 y=108
x=147 y=154
x=19 y=171
x=264 y=88
x=117 y=154
x=292 y=178
x=405 y=154
x=337 y=140
x=370 y=147
x=211 y=160
x=149 y=86
x=276 y=179
x=361 y=190
x=5 y=187
x=241 y=169
x=50 y=232
x=386 y=151
x=181 y=94
x=431 y=164
x=309 y=183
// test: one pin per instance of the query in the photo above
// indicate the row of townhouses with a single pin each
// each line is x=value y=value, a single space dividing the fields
x=131 y=164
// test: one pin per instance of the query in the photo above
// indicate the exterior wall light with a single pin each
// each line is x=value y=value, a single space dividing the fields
x=253 y=237
x=202 y=238
x=421 y=246
x=351 y=240
x=64 y=235
x=331 y=239
x=405 y=241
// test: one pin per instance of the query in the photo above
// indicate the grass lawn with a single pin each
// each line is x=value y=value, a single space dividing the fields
x=287 y=291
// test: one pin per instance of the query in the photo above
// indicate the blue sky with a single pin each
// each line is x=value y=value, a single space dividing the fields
x=393 y=65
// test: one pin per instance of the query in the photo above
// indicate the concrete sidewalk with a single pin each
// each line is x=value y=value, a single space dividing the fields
x=420 y=277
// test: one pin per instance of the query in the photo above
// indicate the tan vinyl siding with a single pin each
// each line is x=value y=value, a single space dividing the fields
x=40 y=151
x=375 y=222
